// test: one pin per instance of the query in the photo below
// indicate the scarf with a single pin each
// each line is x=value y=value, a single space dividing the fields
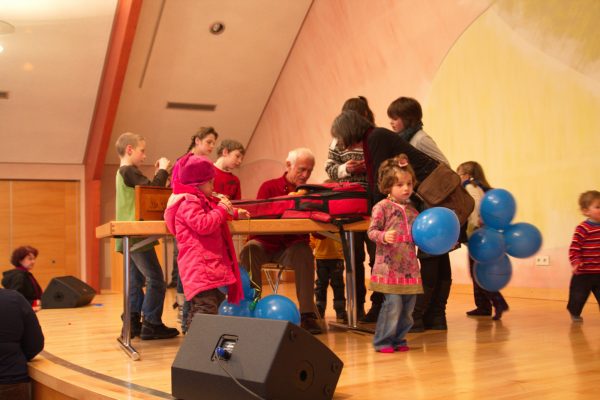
x=408 y=133
x=34 y=283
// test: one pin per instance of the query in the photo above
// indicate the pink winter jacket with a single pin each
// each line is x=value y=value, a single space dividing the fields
x=206 y=254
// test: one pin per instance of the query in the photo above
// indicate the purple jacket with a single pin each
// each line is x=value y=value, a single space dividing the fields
x=206 y=254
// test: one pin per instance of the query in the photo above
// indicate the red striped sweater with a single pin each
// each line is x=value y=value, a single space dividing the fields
x=585 y=248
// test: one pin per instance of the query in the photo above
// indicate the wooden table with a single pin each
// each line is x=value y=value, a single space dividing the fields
x=154 y=229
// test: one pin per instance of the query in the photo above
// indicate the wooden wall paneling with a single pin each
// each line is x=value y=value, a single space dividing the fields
x=41 y=219
x=5 y=243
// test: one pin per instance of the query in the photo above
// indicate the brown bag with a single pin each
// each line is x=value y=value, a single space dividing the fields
x=442 y=188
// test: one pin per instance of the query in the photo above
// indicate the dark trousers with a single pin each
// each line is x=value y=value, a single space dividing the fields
x=436 y=274
x=579 y=291
x=15 y=391
x=377 y=298
x=206 y=302
x=484 y=299
x=330 y=272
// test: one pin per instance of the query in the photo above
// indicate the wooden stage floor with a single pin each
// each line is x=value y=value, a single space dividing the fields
x=535 y=352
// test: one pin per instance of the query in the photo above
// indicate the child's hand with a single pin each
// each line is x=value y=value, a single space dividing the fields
x=356 y=167
x=225 y=203
x=575 y=269
x=243 y=214
x=390 y=236
x=163 y=163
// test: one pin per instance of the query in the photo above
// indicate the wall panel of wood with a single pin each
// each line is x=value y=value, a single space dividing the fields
x=45 y=215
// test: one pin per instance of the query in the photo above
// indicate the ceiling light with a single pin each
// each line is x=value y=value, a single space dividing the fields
x=217 y=28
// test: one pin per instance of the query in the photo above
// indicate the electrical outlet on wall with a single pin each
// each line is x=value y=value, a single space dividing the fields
x=542 y=261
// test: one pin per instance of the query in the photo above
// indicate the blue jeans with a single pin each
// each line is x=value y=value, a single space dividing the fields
x=395 y=320
x=144 y=266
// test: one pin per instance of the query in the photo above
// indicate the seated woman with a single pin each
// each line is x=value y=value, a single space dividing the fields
x=20 y=278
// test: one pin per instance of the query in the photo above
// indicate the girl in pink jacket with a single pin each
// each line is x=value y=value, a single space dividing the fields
x=198 y=220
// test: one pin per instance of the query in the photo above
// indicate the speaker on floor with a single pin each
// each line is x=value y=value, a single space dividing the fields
x=274 y=359
x=67 y=292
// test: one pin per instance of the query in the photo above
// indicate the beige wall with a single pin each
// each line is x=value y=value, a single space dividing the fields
x=512 y=84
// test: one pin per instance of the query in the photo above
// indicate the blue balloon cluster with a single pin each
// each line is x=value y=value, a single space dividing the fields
x=489 y=245
x=270 y=307
x=436 y=230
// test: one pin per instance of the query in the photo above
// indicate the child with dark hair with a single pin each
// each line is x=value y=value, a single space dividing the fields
x=584 y=254
x=396 y=270
x=20 y=278
x=230 y=153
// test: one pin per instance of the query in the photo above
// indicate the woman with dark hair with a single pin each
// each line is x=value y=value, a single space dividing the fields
x=347 y=164
x=380 y=144
x=20 y=278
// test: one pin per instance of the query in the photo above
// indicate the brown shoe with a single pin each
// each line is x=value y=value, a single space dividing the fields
x=309 y=322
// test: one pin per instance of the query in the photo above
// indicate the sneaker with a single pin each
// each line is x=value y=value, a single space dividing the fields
x=386 y=350
x=341 y=317
x=371 y=316
x=157 y=331
x=309 y=322
x=403 y=348
x=576 y=318
x=479 y=312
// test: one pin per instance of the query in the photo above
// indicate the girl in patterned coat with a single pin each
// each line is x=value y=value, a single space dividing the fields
x=396 y=270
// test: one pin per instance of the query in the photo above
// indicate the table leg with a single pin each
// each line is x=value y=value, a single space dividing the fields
x=351 y=290
x=125 y=338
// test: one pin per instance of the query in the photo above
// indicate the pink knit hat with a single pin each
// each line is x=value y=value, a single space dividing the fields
x=196 y=170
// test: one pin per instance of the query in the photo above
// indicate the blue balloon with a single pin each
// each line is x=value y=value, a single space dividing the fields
x=249 y=291
x=497 y=208
x=522 y=240
x=436 y=230
x=278 y=307
x=236 y=310
x=494 y=275
x=486 y=244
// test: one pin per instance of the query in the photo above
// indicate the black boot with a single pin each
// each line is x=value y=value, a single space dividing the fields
x=157 y=331
x=421 y=305
x=376 y=302
x=435 y=317
x=135 y=327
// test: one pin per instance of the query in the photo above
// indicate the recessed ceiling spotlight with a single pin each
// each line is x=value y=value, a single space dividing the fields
x=217 y=28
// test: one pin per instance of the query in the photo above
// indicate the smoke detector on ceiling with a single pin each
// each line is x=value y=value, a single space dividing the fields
x=216 y=28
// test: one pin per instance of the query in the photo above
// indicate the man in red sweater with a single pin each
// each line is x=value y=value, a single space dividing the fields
x=289 y=250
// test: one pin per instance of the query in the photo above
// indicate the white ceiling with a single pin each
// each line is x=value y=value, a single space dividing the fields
x=235 y=70
x=52 y=63
x=51 y=66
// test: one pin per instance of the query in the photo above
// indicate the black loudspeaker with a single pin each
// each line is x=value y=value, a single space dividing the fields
x=274 y=359
x=67 y=292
